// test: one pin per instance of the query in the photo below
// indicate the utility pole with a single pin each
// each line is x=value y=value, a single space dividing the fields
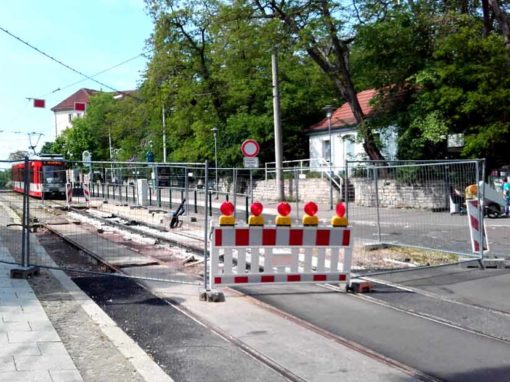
x=277 y=127
x=164 y=131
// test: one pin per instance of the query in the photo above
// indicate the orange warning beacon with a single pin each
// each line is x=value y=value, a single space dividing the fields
x=310 y=219
x=339 y=220
x=256 y=217
x=227 y=214
x=283 y=217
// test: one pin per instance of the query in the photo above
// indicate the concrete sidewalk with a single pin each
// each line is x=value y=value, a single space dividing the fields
x=30 y=348
x=94 y=349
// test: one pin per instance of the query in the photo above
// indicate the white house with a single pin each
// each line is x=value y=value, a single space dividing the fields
x=72 y=107
x=340 y=141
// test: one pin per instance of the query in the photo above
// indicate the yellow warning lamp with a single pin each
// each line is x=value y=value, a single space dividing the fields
x=310 y=219
x=227 y=214
x=283 y=217
x=471 y=191
x=256 y=217
x=339 y=220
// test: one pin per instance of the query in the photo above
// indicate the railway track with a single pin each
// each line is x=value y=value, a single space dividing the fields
x=193 y=244
x=158 y=234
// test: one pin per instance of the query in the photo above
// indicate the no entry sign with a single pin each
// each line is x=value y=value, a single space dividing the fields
x=250 y=148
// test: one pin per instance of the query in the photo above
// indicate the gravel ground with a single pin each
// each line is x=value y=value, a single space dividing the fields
x=96 y=358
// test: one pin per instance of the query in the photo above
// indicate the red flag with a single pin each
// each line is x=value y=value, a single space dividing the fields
x=79 y=106
x=39 y=103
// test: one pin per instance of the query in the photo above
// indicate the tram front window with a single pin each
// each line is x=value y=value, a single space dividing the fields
x=54 y=175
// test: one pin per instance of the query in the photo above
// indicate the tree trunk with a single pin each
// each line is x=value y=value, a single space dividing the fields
x=335 y=66
x=487 y=25
x=502 y=20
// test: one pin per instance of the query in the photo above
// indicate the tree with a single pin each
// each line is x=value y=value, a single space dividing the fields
x=317 y=29
x=211 y=68
x=450 y=77
x=18 y=155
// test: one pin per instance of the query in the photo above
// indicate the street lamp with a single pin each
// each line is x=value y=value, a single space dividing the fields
x=164 y=131
x=329 y=113
x=215 y=133
x=110 y=143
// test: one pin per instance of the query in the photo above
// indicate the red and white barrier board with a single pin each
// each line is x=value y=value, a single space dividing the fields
x=86 y=192
x=69 y=193
x=477 y=232
x=276 y=254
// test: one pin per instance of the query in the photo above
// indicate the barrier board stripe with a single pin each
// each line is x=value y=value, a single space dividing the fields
x=256 y=279
x=275 y=254
x=475 y=227
x=281 y=236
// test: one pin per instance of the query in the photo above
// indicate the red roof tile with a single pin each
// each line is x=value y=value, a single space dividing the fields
x=343 y=116
x=83 y=95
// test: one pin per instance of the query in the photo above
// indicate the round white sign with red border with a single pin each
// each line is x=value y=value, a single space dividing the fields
x=250 y=148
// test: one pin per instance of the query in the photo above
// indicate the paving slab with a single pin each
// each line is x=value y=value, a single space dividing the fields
x=102 y=248
x=308 y=354
x=26 y=335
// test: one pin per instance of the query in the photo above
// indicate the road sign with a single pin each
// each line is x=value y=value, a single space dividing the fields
x=86 y=156
x=250 y=148
x=251 y=162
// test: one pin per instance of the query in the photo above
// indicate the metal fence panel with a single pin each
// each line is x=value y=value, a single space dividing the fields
x=129 y=218
x=416 y=208
x=11 y=204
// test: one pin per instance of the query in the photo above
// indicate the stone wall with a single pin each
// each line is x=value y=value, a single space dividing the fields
x=393 y=194
x=309 y=189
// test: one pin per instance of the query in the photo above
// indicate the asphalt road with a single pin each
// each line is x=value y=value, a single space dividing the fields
x=445 y=352
x=183 y=348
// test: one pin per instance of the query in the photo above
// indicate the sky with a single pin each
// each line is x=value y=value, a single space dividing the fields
x=87 y=35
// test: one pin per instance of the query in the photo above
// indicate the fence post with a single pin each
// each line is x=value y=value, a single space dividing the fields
x=206 y=228
x=377 y=203
x=246 y=210
x=210 y=203
x=150 y=196
x=296 y=179
x=251 y=184
x=186 y=189
x=170 y=197
x=24 y=225
x=234 y=191
x=480 y=184
x=195 y=197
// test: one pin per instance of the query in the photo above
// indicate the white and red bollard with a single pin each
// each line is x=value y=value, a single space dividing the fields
x=69 y=193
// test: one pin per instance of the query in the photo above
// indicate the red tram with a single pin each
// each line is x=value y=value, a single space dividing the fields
x=47 y=178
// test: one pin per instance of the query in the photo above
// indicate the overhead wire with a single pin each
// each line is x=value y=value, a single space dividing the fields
x=86 y=77
x=62 y=63
x=94 y=75
x=76 y=71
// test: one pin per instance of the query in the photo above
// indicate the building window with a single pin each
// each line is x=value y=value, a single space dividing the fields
x=349 y=146
x=326 y=151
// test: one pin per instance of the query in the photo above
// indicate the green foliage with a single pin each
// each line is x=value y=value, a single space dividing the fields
x=5 y=178
x=447 y=77
x=440 y=69
x=18 y=155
